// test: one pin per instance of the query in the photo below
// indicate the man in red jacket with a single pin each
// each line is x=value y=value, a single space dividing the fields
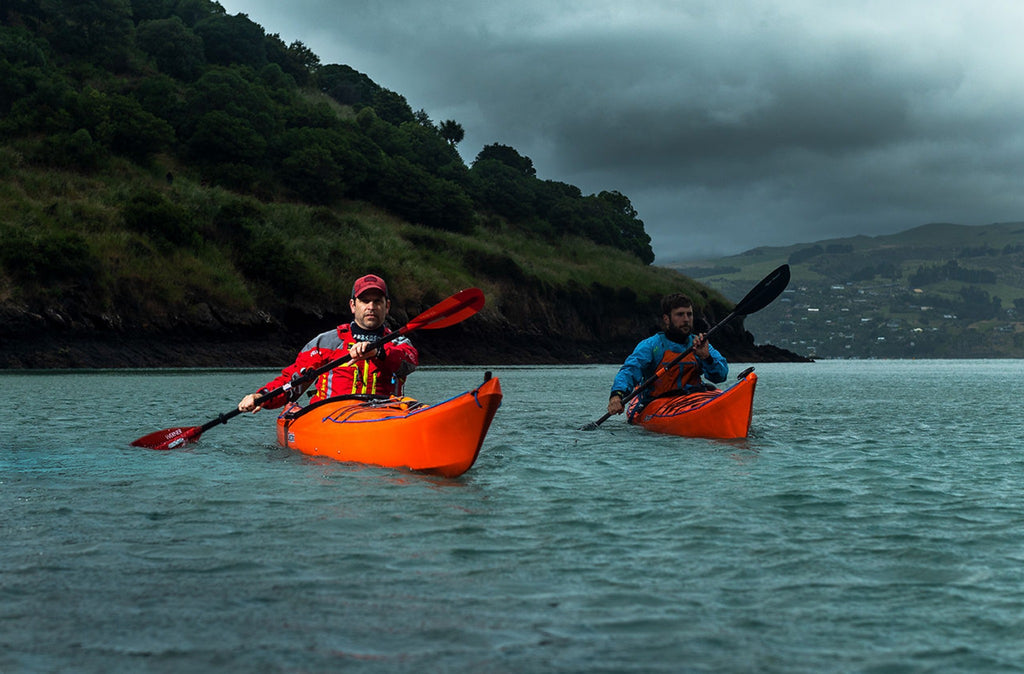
x=379 y=371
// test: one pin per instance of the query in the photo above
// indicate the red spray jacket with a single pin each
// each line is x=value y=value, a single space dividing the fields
x=383 y=375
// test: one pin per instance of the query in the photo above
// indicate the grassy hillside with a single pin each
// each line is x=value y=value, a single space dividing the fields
x=88 y=87
x=127 y=257
x=939 y=290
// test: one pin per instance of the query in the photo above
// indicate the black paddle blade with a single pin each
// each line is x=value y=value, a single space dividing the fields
x=765 y=292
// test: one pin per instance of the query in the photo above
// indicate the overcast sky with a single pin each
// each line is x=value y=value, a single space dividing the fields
x=729 y=125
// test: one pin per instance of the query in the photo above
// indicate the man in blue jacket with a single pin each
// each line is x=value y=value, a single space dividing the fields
x=650 y=354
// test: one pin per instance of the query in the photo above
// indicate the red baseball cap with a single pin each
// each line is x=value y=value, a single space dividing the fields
x=369 y=282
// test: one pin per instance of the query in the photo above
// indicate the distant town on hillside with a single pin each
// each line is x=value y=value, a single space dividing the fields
x=936 y=291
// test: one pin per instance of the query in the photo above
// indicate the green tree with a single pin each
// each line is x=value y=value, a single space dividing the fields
x=164 y=97
x=194 y=11
x=392 y=107
x=234 y=92
x=502 y=189
x=452 y=132
x=98 y=30
x=221 y=137
x=296 y=60
x=629 y=231
x=304 y=56
x=346 y=85
x=131 y=131
x=423 y=119
x=151 y=10
x=72 y=150
x=323 y=165
x=175 y=49
x=279 y=86
x=313 y=174
x=508 y=156
x=420 y=197
x=232 y=40
x=552 y=195
x=423 y=146
x=351 y=87
x=48 y=257
x=151 y=213
x=24 y=67
x=270 y=258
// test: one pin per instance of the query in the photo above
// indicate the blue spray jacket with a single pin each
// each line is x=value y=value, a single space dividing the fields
x=658 y=349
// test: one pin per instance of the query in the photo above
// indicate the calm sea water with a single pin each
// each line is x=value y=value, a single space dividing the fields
x=873 y=522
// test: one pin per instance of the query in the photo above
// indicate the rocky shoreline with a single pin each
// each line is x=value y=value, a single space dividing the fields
x=127 y=351
x=63 y=339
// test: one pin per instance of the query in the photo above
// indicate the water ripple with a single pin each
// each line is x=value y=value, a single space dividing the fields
x=868 y=524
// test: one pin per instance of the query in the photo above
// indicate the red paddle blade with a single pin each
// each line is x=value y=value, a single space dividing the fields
x=169 y=438
x=455 y=309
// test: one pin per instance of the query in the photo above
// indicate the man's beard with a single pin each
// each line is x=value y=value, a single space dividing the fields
x=677 y=335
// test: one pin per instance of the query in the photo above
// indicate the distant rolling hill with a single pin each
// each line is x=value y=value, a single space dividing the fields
x=935 y=291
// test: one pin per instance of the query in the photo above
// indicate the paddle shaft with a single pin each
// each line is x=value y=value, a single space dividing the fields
x=303 y=379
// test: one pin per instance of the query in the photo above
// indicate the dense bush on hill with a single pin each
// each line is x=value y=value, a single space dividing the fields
x=82 y=83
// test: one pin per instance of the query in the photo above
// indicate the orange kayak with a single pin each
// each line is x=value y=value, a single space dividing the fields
x=442 y=439
x=707 y=414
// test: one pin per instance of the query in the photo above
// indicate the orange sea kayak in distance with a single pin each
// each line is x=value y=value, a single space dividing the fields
x=720 y=414
x=442 y=439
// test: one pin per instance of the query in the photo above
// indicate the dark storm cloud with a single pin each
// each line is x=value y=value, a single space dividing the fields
x=728 y=125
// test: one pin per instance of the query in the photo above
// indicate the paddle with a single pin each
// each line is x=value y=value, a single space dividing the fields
x=770 y=287
x=455 y=309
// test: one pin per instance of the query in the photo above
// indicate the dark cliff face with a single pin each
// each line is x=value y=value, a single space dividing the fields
x=527 y=325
